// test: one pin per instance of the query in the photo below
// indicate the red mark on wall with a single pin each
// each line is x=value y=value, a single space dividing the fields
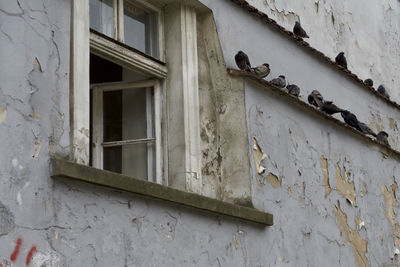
x=30 y=255
x=14 y=255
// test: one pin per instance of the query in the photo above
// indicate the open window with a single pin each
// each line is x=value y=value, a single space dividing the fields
x=125 y=121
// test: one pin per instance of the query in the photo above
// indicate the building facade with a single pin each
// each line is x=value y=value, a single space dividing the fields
x=130 y=137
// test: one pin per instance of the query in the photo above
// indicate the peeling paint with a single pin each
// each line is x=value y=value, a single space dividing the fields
x=358 y=244
x=258 y=156
x=36 y=149
x=389 y=194
x=273 y=180
x=36 y=115
x=3 y=114
x=344 y=187
x=324 y=167
x=360 y=223
x=235 y=243
x=393 y=124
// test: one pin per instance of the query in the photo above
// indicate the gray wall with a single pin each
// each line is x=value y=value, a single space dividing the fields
x=75 y=224
x=368 y=34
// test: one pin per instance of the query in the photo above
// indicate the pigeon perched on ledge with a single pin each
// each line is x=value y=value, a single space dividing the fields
x=351 y=119
x=330 y=108
x=382 y=91
x=366 y=130
x=299 y=31
x=279 y=82
x=315 y=99
x=382 y=138
x=293 y=89
x=341 y=60
x=261 y=71
x=369 y=82
x=242 y=61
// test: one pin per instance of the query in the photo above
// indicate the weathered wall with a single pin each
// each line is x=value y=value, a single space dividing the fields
x=223 y=128
x=332 y=194
x=367 y=32
x=34 y=52
x=75 y=224
x=263 y=43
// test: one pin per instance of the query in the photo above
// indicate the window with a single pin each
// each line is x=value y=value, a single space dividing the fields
x=130 y=22
x=127 y=37
x=125 y=89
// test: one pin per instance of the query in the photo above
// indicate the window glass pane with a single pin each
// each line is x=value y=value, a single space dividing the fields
x=102 y=16
x=128 y=115
x=140 y=29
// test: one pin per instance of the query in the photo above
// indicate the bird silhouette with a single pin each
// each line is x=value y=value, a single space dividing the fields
x=365 y=129
x=341 y=60
x=315 y=99
x=279 y=82
x=242 y=61
x=369 y=82
x=330 y=108
x=382 y=137
x=299 y=31
x=382 y=91
x=351 y=119
x=293 y=89
x=261 y=71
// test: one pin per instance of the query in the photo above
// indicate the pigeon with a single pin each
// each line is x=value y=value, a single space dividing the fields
x=382 y=91
x=315 y=98
x=279 y=82
x=242 y=61
x=293 y=89
x=351 y=119
x=261 y=71
x=299 y=31
x=330 y=108
x=382 y=138
x=341 y=60
x=369 y=82
x=365 y=129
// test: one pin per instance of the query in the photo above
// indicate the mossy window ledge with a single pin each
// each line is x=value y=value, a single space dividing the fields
x=65 y=169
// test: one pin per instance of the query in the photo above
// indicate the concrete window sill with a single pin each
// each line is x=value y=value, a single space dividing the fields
x=66 y=169
x=386 y=150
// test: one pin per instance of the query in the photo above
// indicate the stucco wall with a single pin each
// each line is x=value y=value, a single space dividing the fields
x=332 y=194
x=367 y=32
x=65 y=223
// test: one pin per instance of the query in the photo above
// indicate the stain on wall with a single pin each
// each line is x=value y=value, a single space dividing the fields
x=344 y=186
x=352 y=236
x=324 y=167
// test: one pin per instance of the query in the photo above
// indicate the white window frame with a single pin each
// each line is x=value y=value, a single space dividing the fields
x=118 y=6
x=183 y=81
x=98 y=126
